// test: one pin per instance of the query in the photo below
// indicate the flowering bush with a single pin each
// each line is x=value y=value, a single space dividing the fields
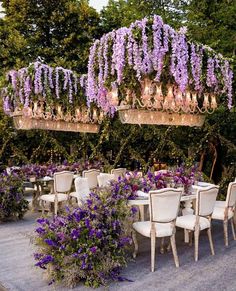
x=88 y=243
x=12 y=202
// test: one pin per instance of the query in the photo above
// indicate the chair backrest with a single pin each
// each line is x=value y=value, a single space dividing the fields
x=231 y=195
x=119 y=172
x=63 y=181
x=82 y=188
x=104 y=179
x=206 y=198
x=92 y=177
x=164 y=204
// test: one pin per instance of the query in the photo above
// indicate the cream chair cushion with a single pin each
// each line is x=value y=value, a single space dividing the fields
x=219 y=212
x=220 y=204
x=189 y=221
x=51 y=197
x=162 y=229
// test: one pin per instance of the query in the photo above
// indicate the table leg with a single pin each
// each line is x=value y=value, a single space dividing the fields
x=187 y=210
x=36 y=194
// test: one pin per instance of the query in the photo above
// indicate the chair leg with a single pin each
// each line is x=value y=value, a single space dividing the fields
x=233 y=228
x=168 y=248
x=153 y=247
x=190 y=238
x=135 y=243
x=225 y=223
x=210 y=241
x=162 y=249
x=196 y=243
x=42 y=206
x=174 y=250
x=55 y=208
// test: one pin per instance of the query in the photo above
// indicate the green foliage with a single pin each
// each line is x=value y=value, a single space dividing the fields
x=122 y=13
x=59 y=31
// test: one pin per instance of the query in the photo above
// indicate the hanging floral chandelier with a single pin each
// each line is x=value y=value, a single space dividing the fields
x=151 y=74
x=42 y=97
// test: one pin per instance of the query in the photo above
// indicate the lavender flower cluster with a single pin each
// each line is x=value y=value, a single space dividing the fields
x=150 y=46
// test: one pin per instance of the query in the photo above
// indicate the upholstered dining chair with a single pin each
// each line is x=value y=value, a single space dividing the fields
x=224 y=210
x=62 y=186
x=119 y=172
x=92 y=177
x=104 y=179
x=206 y=198
x=164 y=207
x=81 y=190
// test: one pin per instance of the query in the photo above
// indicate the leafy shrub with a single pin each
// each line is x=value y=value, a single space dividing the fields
x=87 y=243
x=12 y=202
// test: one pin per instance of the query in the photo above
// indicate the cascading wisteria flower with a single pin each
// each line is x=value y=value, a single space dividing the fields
x=27 y=91
x=130 y=43
x=105 y=51
x=100 y=63
x=146 y=61
x=196 y=65
x=211 y=79
x=150 y=47
x=12 y=76
x=158 y=51
x=37 y=78
x=22 y=73
x=228 y=80
x=137 y=59
x=179 y=59
x=119 y=53
x=92 y=86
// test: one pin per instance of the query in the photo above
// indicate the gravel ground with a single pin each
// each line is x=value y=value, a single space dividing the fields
x=17 y=271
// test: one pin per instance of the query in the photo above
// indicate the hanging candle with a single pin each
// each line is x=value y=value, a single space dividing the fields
x=213 y=102
x=114 y=95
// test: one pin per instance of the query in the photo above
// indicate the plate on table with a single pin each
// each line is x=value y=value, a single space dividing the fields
x=47 y=178
x=204 y=184
x=142 y=195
